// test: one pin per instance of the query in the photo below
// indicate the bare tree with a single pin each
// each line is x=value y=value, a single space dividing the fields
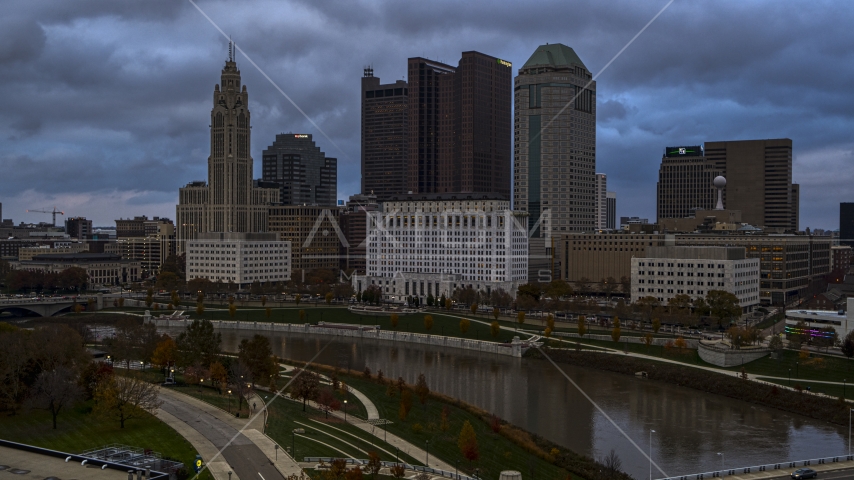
x=126 y=397
x=241 y=380
x=612 y=464
x=55 y=390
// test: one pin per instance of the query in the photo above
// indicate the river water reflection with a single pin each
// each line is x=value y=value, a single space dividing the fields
x=691 y=427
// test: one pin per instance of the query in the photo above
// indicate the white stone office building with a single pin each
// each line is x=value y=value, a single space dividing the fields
x=433 y=244
x=240 y=258
x=694 y=271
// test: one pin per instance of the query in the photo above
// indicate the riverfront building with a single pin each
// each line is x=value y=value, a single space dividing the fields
x=103 y=269
x=432 y=245
x=695 y=271
x=239 y=258
x=840 y=320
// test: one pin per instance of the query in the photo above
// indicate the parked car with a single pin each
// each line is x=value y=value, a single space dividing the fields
x=804 y=473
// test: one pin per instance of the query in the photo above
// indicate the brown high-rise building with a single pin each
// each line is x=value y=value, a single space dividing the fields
x=758 y=181
x=384 y=133
x=460 y=125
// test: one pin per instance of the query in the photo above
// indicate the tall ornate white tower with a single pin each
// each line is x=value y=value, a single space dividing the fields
x=227 y=202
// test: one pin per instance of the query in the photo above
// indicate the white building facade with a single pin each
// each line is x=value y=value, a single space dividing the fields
x=432 y=247
x=695 y=271
x=240 y=258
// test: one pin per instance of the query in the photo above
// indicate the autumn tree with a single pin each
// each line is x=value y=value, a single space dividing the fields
x=468 y=442
x=232 y=310
x=421 y=388
x=200 y=309
x=473 y=308
x=495 y=313
x=616 y=331
x=656 y=325
x=428 y=322
x=55 y=390
x=166 y=352
x=394 y=319
x=520 y=318
x=374 y=463
x=305 y=386
x=495 y=329
x=406 y=399
x=219 y=376
x=464 y=325
x=397 y=470
x=126 y=397
x=647 y=340
x=240 y=378
x=327 y=401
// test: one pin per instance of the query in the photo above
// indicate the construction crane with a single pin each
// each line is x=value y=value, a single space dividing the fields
x=54 y=212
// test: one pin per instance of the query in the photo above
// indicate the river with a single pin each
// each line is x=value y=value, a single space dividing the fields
x=690 y=427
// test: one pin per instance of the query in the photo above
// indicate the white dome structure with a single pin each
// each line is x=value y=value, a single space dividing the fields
x=719 y=182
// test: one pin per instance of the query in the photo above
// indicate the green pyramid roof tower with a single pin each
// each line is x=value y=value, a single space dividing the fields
x=554 y=54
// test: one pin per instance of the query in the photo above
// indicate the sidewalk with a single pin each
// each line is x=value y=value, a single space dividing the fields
x=787 y=471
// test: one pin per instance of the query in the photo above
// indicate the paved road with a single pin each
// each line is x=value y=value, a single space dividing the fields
x=845 y=474
x=246 y=459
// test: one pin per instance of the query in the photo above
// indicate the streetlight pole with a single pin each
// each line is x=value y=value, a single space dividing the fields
x=722 y=463
x=345 y=411
x=427 y=463
x=650 y=453
x=294 y=445
x=790 y=377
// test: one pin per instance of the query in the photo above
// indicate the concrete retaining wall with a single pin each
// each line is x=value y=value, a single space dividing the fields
x=689 y=342
x=729 y=357
x=514 y=349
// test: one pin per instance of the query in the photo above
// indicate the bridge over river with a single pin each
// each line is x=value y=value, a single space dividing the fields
x=44 y=307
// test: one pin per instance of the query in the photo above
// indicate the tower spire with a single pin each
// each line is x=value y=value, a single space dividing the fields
x=230 y=49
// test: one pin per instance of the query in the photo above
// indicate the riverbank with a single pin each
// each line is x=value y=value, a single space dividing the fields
x=503 y=445
x=812 y=406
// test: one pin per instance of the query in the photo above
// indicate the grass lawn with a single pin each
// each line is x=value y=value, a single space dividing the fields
x=324 y=439
x=497 y=453
x=79 y=430
x=833 y=390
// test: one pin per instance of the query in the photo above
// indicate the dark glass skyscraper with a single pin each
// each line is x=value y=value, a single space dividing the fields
x=384 y=133
x=846 y=223
x=302 y=172
x=459 y=125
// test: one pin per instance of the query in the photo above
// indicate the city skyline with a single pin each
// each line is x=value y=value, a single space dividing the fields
x=127 y=109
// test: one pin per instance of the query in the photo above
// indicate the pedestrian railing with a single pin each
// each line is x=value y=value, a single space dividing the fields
x=762 y=468
x=417 y=468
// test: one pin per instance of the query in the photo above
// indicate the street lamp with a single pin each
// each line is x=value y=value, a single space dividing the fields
x=790 y=377
x=229 y=401
x=345 y=411
x=294 y=445
x=849 y=432
x=650 y=453
x=722 y=462
x=427 y=463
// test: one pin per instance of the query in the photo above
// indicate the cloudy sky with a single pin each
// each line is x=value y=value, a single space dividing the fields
x=106 y=105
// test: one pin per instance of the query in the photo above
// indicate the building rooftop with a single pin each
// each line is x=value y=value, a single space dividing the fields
x=554 y=54
x=77 y=257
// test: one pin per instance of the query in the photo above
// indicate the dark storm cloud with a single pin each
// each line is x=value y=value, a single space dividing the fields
x=111 y=100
